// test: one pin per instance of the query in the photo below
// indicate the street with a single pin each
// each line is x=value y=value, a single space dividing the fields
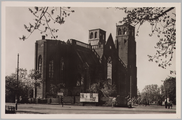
x=73 y=109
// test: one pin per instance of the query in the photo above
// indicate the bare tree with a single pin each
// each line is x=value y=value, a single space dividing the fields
x=44 y=17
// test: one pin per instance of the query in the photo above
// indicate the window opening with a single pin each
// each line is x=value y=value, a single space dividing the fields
x=40 y=64
x=109 y=70
x=95 y=34
x=51 y=69
x=91 y=35
x=119 y=31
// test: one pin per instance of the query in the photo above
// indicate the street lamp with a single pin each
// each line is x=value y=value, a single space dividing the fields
x=16 y=100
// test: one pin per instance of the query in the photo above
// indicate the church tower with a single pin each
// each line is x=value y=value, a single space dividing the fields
x=126 y=46
x=97 y=39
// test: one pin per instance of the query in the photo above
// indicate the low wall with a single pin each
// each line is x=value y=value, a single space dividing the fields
x=66 y=99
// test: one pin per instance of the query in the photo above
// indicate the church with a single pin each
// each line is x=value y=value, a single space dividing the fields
x=78 y=65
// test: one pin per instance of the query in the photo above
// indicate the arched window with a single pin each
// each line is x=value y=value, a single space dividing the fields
x=119 y=31
x=51 y=69
x=91 y=35
x=62 y=64
x=109 y=70
x=40 y=64
x=95 y=34
x=61 y=68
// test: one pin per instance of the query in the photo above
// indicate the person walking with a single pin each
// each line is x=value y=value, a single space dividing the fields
x=62 y=100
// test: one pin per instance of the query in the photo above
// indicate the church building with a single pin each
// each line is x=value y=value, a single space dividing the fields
x=78 y=65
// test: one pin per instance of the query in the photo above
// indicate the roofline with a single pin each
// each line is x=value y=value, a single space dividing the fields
x=97 y=29
x=79 y=41
x=49 y=40
x=124 y=24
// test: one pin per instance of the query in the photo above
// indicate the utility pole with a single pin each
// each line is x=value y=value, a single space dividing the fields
x=130 y=86
x=16 y=100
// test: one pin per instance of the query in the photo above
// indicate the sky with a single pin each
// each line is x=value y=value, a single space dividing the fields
x=76 y=27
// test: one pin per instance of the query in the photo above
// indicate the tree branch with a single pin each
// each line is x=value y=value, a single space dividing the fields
x=156 y=17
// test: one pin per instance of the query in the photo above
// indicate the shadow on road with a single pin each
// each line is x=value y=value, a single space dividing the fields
x=28 y=112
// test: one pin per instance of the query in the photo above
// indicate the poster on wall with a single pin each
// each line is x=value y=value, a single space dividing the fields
x=88 y=97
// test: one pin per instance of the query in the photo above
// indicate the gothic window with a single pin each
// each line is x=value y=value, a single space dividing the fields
x=91 y=35
x=51 y=69
x=109 y=69
x=95 y=34
x=40 y=64
x=61 y=64
x=119 y=31
x=61 y=68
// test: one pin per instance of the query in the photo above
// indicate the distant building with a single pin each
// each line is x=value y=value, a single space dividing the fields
x=78 y=65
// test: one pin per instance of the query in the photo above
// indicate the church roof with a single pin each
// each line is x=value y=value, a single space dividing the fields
x=87 y=57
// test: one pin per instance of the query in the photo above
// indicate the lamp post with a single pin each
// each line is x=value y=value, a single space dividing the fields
x=16 y=100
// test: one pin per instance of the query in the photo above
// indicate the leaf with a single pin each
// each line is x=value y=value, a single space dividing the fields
x=52 y=11
x=30 y=10
x=36 y=8
x=25 y=26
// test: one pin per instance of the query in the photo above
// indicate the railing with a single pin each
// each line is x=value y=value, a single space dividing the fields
x=93 y=50
x=122 y=63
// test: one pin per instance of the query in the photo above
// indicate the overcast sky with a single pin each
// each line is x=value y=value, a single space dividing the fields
x=77 y=26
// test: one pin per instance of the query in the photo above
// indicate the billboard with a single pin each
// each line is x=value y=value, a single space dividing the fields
x=60 y=93
x=88 y=97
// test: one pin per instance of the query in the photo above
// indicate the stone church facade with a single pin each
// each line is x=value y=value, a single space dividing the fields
x=78 y=65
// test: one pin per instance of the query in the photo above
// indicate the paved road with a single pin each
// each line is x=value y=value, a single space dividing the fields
x=71 y=109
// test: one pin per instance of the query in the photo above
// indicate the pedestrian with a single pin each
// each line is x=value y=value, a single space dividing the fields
x=113 y=101
x=50 y=100
x=171 y=103
x=62 y=100
x=165 y=104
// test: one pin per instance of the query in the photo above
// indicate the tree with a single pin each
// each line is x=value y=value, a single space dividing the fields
x=163 y=24
x=168 y=89
x=151 y=93
x=138 y=96
x=22 y=87
x=55 y=88
x=35 y=76
x=104 y=88
x=43 y=17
